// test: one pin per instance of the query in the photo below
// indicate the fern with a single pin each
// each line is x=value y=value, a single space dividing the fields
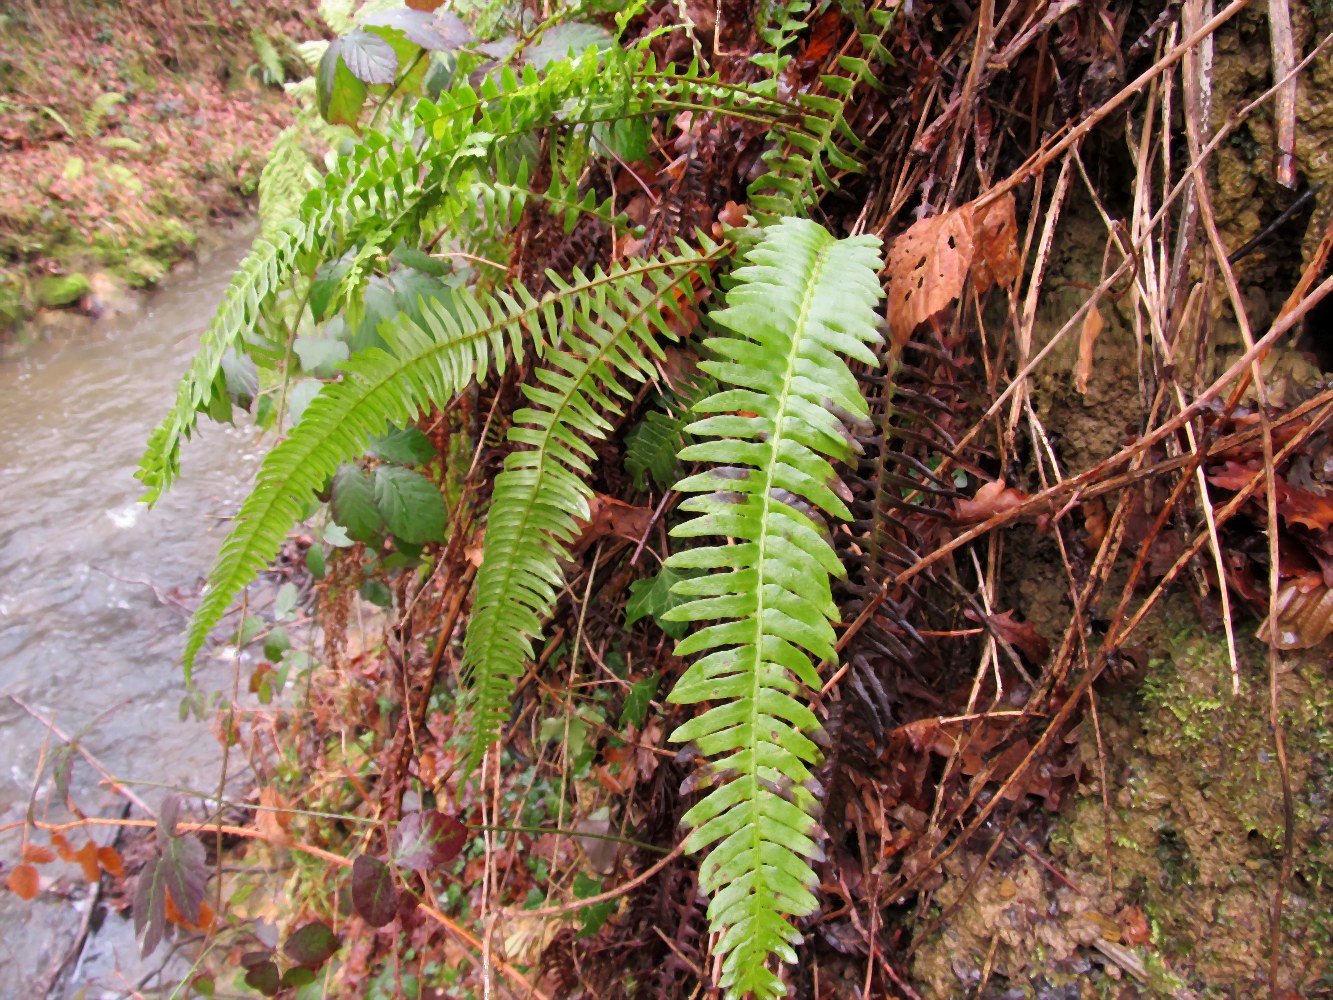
x=422 y=366
x=802 y=300
x=544 y=489
x=652 y=444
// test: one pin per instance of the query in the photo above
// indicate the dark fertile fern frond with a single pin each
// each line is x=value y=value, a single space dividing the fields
x=609 y=339
x=804 y=303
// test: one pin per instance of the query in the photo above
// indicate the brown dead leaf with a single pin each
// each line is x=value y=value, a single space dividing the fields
x=109 y=859
x=1023 y=636
x=929 y=263
x=62 y=847
x=609 y=516
x=990 y=499
x=86 y=856
x=1314 y=510
x=174 y=915
x=24 y=882
x=272 y=820
x=38 y=854
x=1304 y=618
x=1134 y=926
x=1093 y=324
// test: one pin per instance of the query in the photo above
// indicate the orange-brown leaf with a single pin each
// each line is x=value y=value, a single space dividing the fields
x=174 y=915
x=109 y=859
x=62 y=847
x=86 y=856
x=929 y=263
x=991 y=499
x=24 y=882
x=272 y=819
x=1093 y=324
x=38 y=854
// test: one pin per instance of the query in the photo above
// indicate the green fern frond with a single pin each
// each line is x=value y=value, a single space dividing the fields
x=610 y=338
x=285 y=180
x=651 y=445
x=804 y=302
x=461 y=341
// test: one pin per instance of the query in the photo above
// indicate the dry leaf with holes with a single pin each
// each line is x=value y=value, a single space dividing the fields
x=929 y=263
x=1093 y=324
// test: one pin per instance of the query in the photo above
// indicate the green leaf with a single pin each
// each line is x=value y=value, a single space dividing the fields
x=353 y=504
x=439 y=32
x=407 y=446
x=312 y=944
x=320 y=355
x=264 y=977
x=421 y=261
x=411 y=505
x=653 y=598
x=339 y=93
x=377 y=593
x=284 y=602
x=591 y=917
x=276 y=643
x=370 y=58
x=561 y=40
x=639 y=699
x=316 y=561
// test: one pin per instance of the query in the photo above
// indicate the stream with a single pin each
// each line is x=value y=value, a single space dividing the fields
x=95 y=590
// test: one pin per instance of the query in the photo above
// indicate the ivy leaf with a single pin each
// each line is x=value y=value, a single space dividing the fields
x=373 y=894
x=408 y=446
x=641 y=694
x=312 y=945
x=410 y=504
x=340 y=94
x=653 y=598
x=353 y=504
x=370 y=58
x=426 y=840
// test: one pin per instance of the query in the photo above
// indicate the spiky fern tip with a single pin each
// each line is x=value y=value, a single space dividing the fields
x=804 y=303
x=608 y=341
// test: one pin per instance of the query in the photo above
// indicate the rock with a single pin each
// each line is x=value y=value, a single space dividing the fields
x=56 y=291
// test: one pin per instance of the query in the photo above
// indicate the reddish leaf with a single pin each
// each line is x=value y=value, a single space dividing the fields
x=1022 y=636
x=38 y=854
x=425 y=4
x=426 y=840
x=312 y=945
x=991 y=499
x=177 y=871
x=373 y=892
x=174 y=916
x=24 y=882
x=1314 y=510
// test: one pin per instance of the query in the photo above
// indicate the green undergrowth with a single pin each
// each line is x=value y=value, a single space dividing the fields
x=126 y=133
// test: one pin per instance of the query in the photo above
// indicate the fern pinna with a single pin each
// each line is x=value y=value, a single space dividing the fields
x=804 y=302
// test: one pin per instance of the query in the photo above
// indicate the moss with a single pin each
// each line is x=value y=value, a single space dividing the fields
x=58 y=290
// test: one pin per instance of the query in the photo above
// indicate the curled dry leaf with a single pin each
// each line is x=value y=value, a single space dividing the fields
x=991 y=499
x=1304 y=618
x=1093 y=324
x=928 y=264
x=272 y=819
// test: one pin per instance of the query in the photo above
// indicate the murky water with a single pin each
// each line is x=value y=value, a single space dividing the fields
x=94 y=587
